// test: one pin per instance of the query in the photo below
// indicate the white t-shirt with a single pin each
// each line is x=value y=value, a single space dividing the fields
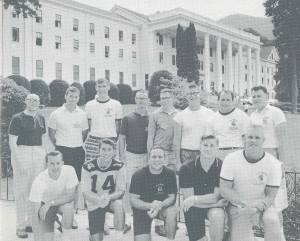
x=229 y=128
x=251 y=179
x=103 y=117
x=194 y=125
x=46 y=189
x=268 y=118
x=68 y=126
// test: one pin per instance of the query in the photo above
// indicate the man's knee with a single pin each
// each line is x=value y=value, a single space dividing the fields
x=67 y=208
x=171 y=212
x=117 y=205
x=216 y=215
x=270 y=217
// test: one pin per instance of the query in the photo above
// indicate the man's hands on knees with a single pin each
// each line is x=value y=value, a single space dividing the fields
x=189 y=202
x=104 y=200
x=156 y=206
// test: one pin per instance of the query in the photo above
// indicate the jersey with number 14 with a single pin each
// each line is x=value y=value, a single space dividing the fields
x=101 y=181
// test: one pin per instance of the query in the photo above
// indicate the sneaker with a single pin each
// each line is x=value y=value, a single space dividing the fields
x=28 y=229
x=127 y=228
x=21 y=233
x=74 y=224
x=226 y=235
x=160 y=230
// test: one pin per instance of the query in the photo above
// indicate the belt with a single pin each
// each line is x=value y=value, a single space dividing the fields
x=230 y=148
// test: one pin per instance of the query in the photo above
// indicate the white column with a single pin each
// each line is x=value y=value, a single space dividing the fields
x=228 y=70
x=236 y=73
x=249 y=72
x=241 y=70
x=219 y=64
x=206 y=63
x=258 y=67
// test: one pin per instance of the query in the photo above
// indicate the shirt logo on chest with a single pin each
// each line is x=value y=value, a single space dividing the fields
x=108 y=112
x=160 y=189
x=266 y=120
x=260 y=178
x=233 y=124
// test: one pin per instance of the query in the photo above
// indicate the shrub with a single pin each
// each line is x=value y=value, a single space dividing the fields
x=13 y=101
x=20 y=80
x=113 y=92
x=40 y=88
x=179 y=86
x=90 y=90
x=57 y=91
x=157 y=83
x=81 y=101
x=125 y=93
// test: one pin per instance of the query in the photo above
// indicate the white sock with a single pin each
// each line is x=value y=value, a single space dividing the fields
x=67 y=234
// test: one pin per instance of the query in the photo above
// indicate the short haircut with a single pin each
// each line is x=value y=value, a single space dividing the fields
x=102 y=80
x=32 y=96
x=192 y=86
x=210 y=137
x=167 y=91
x=53 y=153
x=72 y=89
x=108 y=142
x=141 y=92
x=226 y=92
x=255 y=127
x=157 y=148
x=260 y=87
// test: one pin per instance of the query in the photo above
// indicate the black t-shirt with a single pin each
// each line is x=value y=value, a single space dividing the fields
x=152 y=187
x=29 y=129
x=192 y=175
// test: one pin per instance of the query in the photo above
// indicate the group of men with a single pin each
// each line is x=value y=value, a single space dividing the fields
x=139 y=175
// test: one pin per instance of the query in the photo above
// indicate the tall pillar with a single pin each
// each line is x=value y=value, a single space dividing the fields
x=241 y=70
x=219 y=64
x=206 y=63
x=228 y=70
x=258 y=67
x=249 y=72
x=236 y=73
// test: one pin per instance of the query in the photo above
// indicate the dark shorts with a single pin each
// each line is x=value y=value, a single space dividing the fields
x=97 y=219
x=47 y=225
x=73 y=157
x=195 y=222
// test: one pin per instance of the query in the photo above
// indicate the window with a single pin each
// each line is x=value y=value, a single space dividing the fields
x=146 y=81
x=161 y=57
x=262 y=69
x=92 y=28
x=173 y=43
x=57 y=42
x=211 y=67
x=38 y=17
x=223 y=69
x=268 y=81
x=246 y=77
x=92 y=73
x=15 y=65
x=76 y=73
x=106 y=32
x=57 y=20
x=262 y=80
x=107 y=74
x=39 y=68
x=39 y=39
x=201 y=84
x=121 y=77
x=201 y=65
x=173 y=59
x=75 y=45
x=106 y=51
x=210 y=52
x=223 y=55
x=133 y=54
x=133 y=80
x=198 y=49
x=133 y=38
x=246 y=66
x=267 y=70
x=92 y=47
x=75 y=24
x=212 y=86
x=121 y=53
x=159 y=39
x=58 y=71
x=121 y=35
x=15 y=34
x=15 y=15
x=201 y=50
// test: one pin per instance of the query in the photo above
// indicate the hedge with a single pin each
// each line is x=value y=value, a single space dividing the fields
x=57 y=91
x=40 y=88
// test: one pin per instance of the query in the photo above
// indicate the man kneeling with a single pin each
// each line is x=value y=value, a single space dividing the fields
x=52 y=192
x=103 y=183
x=153 y=194
x=199 y=183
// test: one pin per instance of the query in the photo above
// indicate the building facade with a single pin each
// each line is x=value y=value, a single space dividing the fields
x=76 y=42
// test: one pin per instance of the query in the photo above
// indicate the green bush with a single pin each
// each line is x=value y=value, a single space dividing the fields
x=157 y=83
x=57 y=92
x=113 y=92
x=20 y=80
x=40 y=88
x=125 y=94
x=81 y=101
x=285 y=106
x=90 y=90
x=13 y=101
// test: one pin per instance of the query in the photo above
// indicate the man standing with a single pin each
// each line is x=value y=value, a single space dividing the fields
x=103 y=183
x=250 y=180
x=229 y=124
x=27 y=157
x=104 y=118
x=52 y=192
x=153 y=192
x=190 y=125
x=199 y=184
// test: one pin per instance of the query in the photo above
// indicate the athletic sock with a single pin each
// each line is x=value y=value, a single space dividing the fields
x=66 y=234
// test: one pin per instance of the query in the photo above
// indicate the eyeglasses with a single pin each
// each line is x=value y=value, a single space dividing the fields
x=165 y=98
x=33 y=100
x=193 y=93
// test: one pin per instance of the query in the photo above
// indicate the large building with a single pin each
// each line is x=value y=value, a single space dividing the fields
x=76 y=42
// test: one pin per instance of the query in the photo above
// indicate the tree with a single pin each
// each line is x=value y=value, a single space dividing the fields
x=40 y=88
x=57 y=92
x=90 y=90
x=113 y=91
x=21 y=81
x=81 y=101
x=24 y=7
x=180 y=52
x=286 y=20
x=125 y=93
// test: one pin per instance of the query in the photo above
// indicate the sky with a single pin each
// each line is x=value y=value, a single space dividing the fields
x=213 y=9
